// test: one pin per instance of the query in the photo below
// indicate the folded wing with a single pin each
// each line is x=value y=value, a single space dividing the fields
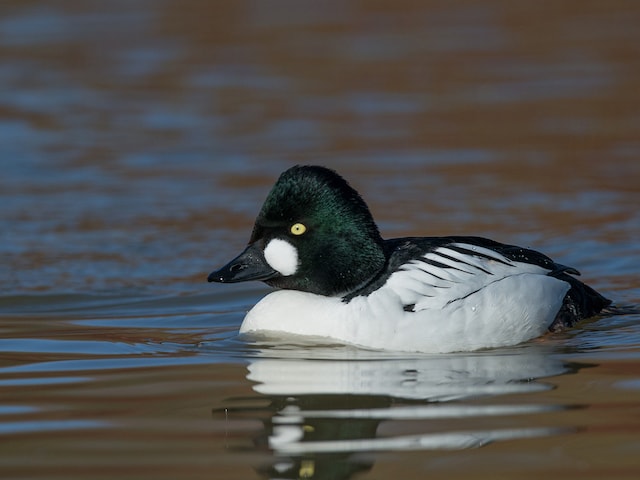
x=453 y=272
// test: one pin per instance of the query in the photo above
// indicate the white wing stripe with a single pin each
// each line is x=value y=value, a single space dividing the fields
x=440 y=273
x=480 y=262
x=439 y=259
x=486 y=252
x=471 y=261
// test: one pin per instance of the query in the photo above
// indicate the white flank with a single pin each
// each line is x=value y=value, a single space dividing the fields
x=281 y=256
x=445 y=301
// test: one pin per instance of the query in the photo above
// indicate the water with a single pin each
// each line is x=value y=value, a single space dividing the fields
x=137 y=142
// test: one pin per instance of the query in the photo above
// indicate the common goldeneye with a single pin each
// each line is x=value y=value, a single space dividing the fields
x=316 y=241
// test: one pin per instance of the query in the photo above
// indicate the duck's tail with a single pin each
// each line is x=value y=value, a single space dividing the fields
x=580 y=302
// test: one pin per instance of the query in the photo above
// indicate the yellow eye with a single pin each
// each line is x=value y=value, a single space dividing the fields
x=298 y=229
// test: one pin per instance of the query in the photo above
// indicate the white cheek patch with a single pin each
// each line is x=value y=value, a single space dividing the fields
x=282 y=256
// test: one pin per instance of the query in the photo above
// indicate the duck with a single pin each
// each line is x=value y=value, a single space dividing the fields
x=315 y=241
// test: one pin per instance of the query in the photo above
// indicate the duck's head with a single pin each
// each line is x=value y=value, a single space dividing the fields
x=314 y=233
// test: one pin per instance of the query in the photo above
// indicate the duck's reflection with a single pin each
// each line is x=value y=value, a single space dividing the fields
x=328 y=405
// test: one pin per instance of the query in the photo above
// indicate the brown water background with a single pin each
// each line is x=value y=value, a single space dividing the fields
x=137 y=142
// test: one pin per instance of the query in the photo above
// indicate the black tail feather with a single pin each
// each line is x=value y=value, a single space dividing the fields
x=581 y=302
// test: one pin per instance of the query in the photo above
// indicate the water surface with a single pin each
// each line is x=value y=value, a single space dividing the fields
x=137 y=142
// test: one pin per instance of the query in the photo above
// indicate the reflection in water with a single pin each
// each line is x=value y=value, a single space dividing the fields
x=327 y=405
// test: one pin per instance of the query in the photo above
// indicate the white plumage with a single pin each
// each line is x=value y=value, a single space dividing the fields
x=445 y=301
